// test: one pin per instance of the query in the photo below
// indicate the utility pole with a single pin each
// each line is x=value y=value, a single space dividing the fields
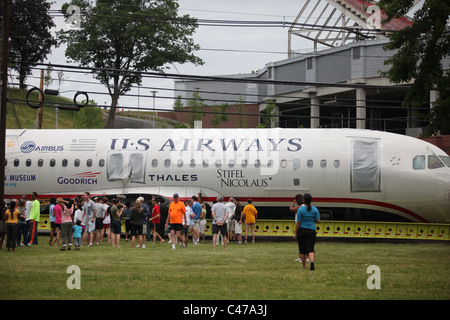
x=4 y=78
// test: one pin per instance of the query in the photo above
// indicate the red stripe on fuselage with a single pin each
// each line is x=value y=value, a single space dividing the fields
x=331 y=200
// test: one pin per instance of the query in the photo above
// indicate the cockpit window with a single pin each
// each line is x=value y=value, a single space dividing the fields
x=434 y=162
x=419 y=162
x=446 y=160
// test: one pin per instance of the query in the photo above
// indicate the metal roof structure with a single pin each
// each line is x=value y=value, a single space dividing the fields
x=331 y=23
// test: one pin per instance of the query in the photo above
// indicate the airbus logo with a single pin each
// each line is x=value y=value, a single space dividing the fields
x=30 y=146
x=27 y=147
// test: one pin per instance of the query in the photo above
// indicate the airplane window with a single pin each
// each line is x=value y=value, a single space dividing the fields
x=89 y=162
x=64 y=162
x=419 y=162
x=218 y=163
x=257 y=164
x=205 y=164
x=28 y=163
x=179 y=163
x=337 y=163
x=192 y=163
x=101 y=163
x=323 y=163
x=310 y=163
x=244 y=163
x=231 y=163
x=16 y=162
x=283 y=163
x=52 y=163
x=76 y=162
x=446 y=160
x=167 y=163
x=154 y=163
x=40 y=162
x=434 y=162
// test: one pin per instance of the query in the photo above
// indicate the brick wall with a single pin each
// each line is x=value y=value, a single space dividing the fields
x=441 y=141
x=233 y=122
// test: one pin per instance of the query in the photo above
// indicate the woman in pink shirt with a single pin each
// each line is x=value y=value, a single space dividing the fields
x=57 y=212
x=66 y=223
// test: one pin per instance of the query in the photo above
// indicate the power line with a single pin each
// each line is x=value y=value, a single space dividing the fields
x=259 y=96
x=297 y=116
x=153 y=74
x=231 y=23
x=297 y=104
x=203 y=92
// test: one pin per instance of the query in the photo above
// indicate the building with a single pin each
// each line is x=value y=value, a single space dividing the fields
x=338 y=87
x=339 y=84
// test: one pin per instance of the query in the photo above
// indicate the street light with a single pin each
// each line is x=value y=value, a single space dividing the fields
x=154 y=95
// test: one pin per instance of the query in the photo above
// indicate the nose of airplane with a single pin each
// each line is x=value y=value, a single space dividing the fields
x=444 y=189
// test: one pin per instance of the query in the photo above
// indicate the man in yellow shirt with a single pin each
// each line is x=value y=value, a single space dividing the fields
x=250 y=214
x=35 y=214
x=176 y=212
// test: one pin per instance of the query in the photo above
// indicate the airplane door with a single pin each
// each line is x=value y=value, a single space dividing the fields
x=127 y=166
x=365 y=165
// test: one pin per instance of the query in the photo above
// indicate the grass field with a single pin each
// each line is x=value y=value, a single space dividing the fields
x=261 y=271
x=27 y=116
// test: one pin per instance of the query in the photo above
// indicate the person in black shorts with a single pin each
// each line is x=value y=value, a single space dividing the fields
x=305 y=230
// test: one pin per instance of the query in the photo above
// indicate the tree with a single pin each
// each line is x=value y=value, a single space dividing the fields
x=89 y=117
x=241 y=109
x=421 y=49
x=221 y=116
x=30 y=37
x=196 y=105
x=61 y=79
x=48 y=76
x=178 y=104
x=122 y=38
x=267 y=115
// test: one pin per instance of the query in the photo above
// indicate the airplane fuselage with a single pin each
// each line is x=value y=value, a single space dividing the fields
x=344 y=169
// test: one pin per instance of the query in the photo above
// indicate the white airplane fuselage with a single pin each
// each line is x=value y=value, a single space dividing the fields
x=344 y=169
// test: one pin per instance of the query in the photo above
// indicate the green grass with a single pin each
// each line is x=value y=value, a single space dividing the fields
x=265 y=270
x=27 y=116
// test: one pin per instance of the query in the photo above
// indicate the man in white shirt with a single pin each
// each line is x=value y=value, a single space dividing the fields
x=219 y=221
x=89 y=218
x=99 y=217
x=231 y=207
x=187 y=222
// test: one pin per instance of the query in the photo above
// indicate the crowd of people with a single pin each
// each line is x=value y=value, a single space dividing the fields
x=87 y=221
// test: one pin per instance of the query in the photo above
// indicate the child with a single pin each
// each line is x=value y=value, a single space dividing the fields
x=77 y=234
